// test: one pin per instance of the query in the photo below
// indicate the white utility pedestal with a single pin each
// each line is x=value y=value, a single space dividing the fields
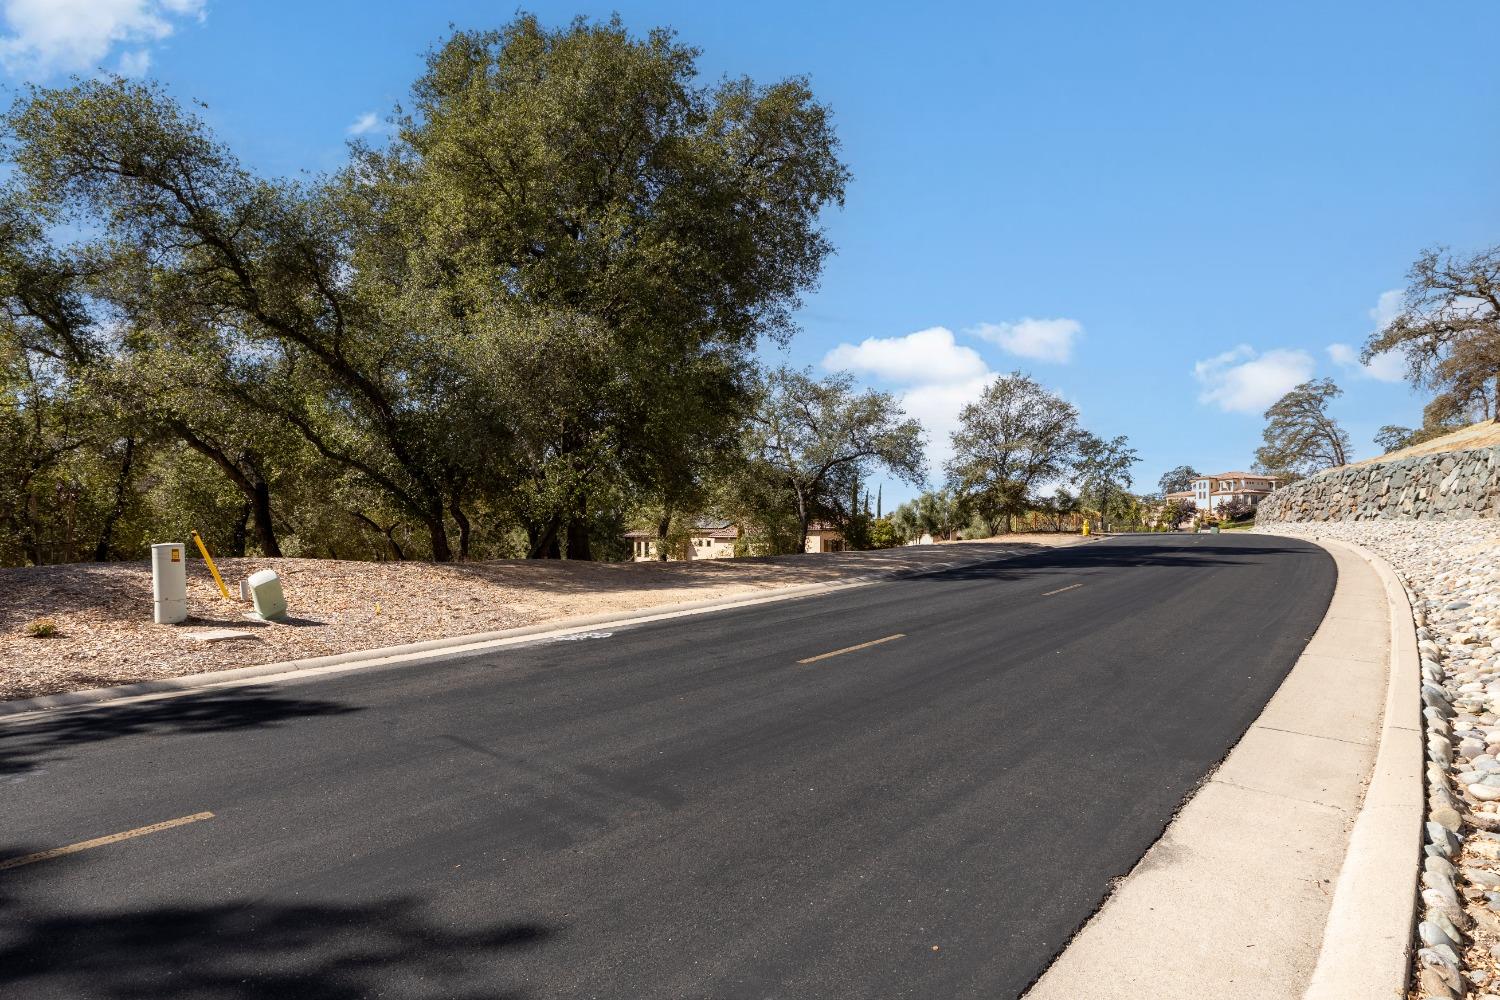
x=169 y=583
x=265 y=591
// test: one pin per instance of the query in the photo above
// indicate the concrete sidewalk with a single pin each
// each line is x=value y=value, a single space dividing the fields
x=1234 y=898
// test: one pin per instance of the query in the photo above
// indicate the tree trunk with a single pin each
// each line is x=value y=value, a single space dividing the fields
x=117 y=510
x=441 y=551
x=241 y=533
x=463 y=527
x=802 y=522
x=662 y=527
x=578 y=539
x=246 y=475
x=544 y=542
x=260 y=516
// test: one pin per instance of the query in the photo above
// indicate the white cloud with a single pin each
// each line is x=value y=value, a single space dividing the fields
x=1387 y=308
x=1245 y=381
x=934 y=375
x=135 y=62
x=1038 y=339
x=367 y=122
x=46 y=37
x=1343 y=355
x=927 y=356
x=1387 y=366
x=937 y=406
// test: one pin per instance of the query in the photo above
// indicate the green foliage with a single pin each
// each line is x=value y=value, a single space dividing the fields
x=1059 y=508
x=1300 y=435
x=883 y=534
x=534 y=311
x=1176 y=512
x=813 y=441
x=1235 y=510
x=1392 y=438
x=1176 y=480
x=41 y=628
x=939 y=513
x=1102 y=471
x=1013 y=439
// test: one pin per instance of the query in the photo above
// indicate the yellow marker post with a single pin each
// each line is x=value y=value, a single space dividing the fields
x=1085 y=526
x=198 y=540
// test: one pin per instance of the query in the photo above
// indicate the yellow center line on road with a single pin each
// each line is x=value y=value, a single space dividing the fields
x=850 y=649
x=114 y=838
x=1059 y=590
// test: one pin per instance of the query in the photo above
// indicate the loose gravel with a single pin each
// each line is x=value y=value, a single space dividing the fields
x=1451 y=571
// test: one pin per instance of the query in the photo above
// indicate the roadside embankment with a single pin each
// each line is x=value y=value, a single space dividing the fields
x=105 y=635
x=1442 y=486
x=1451 y=571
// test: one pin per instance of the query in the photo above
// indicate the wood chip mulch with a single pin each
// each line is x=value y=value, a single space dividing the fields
x=106 y=636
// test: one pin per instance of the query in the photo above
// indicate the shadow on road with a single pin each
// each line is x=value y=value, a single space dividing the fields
x=24 y=745
x=1183 y=555
x=258 y=950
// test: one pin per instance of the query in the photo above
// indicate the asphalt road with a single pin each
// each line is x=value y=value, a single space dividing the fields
x=680 y=809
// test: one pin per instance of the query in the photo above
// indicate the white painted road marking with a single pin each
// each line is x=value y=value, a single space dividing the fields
x=1059 y=590
x=576 y=636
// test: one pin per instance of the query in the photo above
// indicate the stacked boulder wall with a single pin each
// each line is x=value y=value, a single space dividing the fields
x=1449 y=485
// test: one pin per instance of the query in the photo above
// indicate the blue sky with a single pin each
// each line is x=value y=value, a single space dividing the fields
x=1169 y=213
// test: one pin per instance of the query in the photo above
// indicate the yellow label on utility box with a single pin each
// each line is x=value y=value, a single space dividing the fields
x=177 y=555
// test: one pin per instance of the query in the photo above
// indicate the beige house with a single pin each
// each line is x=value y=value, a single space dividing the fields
x=823 y=537
x=1212 y=492
x=708 y=540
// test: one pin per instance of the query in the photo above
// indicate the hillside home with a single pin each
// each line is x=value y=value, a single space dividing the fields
x=708 y=540
x=1212 y=492
x=822 y=537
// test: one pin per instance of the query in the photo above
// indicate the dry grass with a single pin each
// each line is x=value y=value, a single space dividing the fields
x=105 y=635
x=1485 y=434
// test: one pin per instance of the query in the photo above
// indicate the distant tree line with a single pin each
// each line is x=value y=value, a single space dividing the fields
x=524 y=324
x=526 y=320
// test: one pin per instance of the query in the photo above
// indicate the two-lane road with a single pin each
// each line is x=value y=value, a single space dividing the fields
x=917 y=789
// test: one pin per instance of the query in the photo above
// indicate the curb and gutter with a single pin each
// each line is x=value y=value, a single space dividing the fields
x=1293 y=869
x=1364 y=942
x=1367 y=941
x=456 y=645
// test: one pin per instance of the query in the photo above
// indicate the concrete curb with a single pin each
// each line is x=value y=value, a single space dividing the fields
x=473 y=642
x=1234 y=899
x=1367 y=941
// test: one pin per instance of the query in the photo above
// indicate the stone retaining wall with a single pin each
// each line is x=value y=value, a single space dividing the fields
x=1445 y=486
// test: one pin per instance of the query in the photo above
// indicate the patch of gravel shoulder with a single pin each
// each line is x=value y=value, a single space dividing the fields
x=106 y=635
x=1451 y=571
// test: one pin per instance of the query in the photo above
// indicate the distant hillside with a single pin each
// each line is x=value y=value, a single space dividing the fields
x=1485 y=434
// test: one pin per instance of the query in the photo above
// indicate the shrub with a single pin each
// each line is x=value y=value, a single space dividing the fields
x=42 y=628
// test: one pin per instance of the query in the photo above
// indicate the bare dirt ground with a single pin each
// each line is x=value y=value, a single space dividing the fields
x=1485 y=434
x=106 y=635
